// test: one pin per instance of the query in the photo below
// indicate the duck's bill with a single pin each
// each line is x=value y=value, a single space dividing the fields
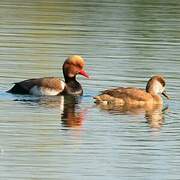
x=165 y=95
x=84 y=73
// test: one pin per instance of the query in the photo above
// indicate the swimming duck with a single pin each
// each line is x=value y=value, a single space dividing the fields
x=72 y=66
x=134 y=96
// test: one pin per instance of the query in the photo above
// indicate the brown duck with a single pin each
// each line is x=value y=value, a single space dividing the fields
x=72 y=66
x=132 y=96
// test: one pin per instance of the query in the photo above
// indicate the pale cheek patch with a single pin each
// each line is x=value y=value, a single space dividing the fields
x=157 y=88
x=42 y=91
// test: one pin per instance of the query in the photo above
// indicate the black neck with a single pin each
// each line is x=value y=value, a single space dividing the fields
x=73 y=87
x=69 y=79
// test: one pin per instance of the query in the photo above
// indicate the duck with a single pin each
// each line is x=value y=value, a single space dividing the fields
x=132 y=96
x=54 y=86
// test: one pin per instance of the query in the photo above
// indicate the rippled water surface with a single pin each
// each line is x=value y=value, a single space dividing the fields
x=124 y=43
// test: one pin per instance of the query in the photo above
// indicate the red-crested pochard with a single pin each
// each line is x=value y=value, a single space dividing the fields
x=72 y=66
x=135 y=96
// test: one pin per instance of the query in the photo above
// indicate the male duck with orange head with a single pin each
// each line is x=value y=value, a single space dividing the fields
x=72 y=66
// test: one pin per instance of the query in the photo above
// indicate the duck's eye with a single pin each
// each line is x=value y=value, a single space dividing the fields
x=162 y=82
x=78 y=66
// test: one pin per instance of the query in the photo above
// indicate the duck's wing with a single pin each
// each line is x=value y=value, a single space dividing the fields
x=51 y=83
x=130 y=93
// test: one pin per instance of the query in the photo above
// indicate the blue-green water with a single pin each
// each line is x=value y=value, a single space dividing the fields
x=124 y=43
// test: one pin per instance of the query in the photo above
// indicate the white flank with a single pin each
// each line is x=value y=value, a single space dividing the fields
x=42 y=91
x=63 y=85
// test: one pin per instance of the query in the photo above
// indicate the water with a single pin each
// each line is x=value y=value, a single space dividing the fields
x=124 y=43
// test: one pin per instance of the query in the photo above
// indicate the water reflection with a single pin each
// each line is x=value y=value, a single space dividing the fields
x=72 y=116
x=68 y=106
x=154 y=114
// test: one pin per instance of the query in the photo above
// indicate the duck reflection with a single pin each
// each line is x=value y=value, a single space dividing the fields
x=70 y=112
x=71 y=115
x=154 y=114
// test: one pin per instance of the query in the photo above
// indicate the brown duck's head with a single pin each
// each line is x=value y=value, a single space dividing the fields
x=73 y=65
x=156 y=85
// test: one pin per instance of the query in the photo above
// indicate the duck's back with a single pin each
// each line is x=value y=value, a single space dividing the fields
x=39 y=86
x=129 y=95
